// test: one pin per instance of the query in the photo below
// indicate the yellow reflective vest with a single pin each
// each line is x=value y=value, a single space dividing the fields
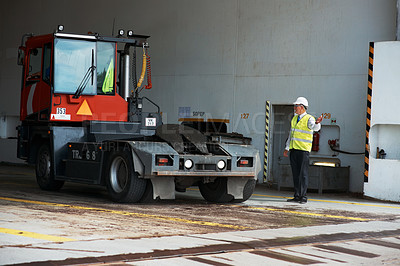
x=108 y=84
x=301 y=136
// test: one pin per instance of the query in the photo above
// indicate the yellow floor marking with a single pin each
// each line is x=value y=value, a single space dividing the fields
x=269 y=196
x=305 y=213
x=35 y=235
x=302 y=213
x=17 y=173
x=159 y=217
x=334 y=201
x=329 y=201
x=18 y=184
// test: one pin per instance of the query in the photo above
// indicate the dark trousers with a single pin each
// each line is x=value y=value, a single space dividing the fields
x=299 y=161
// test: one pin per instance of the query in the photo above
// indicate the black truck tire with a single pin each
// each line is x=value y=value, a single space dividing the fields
x=122 y=181
x=148 y=193
x=247 y=190
x=216 y=191
x=44 y=170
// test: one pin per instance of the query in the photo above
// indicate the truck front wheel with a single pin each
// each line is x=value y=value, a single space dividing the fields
x=247 y=190
x=216 y=191
x=44 y=170
x=122 y=182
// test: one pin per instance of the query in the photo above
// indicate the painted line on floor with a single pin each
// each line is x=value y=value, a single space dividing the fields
x=35 y=235
x=17 y=184
x=304 y=213
x=333 y=201
x=318 y=200
x=296 y=212
x=135 y=214
x=18 y=173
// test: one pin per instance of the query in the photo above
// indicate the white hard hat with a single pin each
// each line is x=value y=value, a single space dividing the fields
x=301 y=100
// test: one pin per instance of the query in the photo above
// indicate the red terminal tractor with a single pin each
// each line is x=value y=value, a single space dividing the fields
x=83 y=120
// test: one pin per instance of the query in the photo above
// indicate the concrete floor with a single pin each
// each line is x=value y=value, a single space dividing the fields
x=36 y=228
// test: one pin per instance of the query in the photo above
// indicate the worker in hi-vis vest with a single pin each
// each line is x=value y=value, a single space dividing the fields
x=299 y=145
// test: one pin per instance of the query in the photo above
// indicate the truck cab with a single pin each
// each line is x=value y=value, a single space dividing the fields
x=72 y=78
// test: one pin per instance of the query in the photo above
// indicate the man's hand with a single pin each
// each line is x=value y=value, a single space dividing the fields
x=319 y=120
x=285 y=153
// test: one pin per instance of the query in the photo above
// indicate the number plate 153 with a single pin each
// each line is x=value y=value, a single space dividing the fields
x=151 y=121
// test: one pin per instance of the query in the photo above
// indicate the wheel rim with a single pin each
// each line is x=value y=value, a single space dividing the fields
x=119 y=174
x=43 y=169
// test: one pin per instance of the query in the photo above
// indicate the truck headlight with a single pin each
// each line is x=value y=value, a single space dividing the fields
x=188 y=164
x=221 y=164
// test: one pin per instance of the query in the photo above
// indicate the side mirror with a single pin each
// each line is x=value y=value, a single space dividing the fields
x=21 y=56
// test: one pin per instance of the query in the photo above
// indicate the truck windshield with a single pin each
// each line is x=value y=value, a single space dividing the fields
x=72 y=59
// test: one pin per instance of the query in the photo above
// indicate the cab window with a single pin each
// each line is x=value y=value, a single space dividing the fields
x=46 y=63
x=105 y=68
x=35 y=62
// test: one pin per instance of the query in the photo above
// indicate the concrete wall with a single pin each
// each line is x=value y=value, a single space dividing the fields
x=226 y=57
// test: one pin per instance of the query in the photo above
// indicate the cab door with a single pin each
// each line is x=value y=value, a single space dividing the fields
x=36 y=84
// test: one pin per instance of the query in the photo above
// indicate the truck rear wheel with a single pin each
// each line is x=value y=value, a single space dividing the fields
x=247 y=190
x=148 y=193
x=216 y=191
x=122 y=181
x=44 y=170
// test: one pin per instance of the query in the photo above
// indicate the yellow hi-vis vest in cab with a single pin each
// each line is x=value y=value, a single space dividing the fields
x=301 y=136
x=108 y=84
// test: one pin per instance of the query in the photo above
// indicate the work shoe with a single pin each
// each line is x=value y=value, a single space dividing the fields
x=293 y=200
x=303 y=200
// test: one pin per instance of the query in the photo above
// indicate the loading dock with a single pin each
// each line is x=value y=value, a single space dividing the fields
x=260 y=51
x=93 y=230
